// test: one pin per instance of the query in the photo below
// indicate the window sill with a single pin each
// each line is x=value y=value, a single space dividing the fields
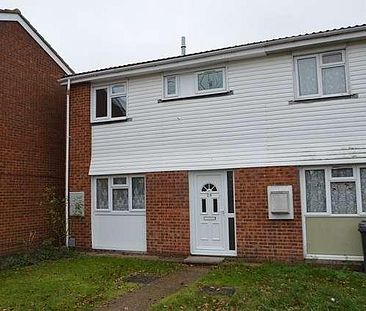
x=224 y=93
x=320 y=99
x=120 y=213
x=110 y=121
x=321 y=215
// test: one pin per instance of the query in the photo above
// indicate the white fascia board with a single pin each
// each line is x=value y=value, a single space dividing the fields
x=11 y=17
x=214 y=57
x=163 y=65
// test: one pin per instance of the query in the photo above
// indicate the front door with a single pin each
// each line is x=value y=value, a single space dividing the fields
x=208 y=210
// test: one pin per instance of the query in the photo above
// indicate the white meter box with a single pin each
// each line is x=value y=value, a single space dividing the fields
x=280 y=202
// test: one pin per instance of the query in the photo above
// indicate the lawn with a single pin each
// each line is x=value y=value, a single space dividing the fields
x=79 y=283
x=273 y=287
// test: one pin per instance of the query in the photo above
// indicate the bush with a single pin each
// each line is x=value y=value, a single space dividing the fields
x=54 y=206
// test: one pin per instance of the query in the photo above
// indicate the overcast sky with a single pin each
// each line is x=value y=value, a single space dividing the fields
x=92 y=34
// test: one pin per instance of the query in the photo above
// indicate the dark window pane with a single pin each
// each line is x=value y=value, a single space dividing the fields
x=343 y=197
x=315 y=191
x=342 y=172
x=119 y=181
x=215 y=205
x=332 y=58
x=138 y=192
x=119 y=105
x=230 y=192
x=102 y=193
x=203 y=201
x=101 y=103
x=363 y=188
x=120 y=199
x=231 y=234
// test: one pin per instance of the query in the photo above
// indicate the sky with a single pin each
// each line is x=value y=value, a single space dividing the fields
x=94 y=34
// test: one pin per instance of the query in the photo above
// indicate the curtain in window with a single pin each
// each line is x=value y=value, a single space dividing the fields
x=334 y=80
x=315 y=191
x=363 y=188
x=171 y=82
x=343 y=197
x=308 y=80
x=102 y=193
x=120 y=199
x=138 y=193
x=210 y=80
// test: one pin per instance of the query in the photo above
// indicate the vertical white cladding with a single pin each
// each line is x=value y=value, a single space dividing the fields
x=256 y=126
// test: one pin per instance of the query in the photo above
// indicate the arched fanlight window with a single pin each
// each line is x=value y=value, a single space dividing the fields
x=208 y=187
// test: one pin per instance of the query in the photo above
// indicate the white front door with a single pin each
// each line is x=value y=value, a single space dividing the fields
x=208 y=211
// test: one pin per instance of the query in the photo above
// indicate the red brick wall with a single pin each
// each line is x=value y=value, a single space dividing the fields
x=80 y=156
x=32 y=135
x=167 y=213
x=167 y=201
x=259 y=238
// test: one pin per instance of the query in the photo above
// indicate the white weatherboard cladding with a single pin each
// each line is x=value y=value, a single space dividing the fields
x=256 y=126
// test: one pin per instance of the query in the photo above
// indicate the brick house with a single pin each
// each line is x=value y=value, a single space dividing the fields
x=256 y=150
x=32 y=129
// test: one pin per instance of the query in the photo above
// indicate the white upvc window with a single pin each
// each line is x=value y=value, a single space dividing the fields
x=335 y=191
x=194 y=83
x=109 y=102
x=321 y=75
x=211 y=80
x=119 y=194
x=171 y=86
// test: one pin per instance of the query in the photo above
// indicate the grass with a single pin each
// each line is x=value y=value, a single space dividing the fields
x=274 y=287
x=79 y=283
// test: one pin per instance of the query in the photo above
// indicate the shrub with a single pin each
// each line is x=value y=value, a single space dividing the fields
x=54 y=206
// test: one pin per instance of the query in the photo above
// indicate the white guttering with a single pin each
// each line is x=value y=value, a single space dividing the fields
x=67 y=163
x=223 y=55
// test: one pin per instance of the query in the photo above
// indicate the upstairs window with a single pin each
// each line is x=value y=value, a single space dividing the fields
x=189 y=84
x=110 y=102
x=321 y=75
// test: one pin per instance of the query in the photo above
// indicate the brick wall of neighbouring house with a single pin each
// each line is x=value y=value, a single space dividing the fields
x=80 y=155
x=167 y=213
x=259 y=238
x=32 y=135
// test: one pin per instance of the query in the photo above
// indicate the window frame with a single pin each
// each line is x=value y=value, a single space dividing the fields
x=210 y=91
x=176 y=94
x=111 y=186
x=110 y=95
x=194 y=80
x=328 y=180
x=319 y=66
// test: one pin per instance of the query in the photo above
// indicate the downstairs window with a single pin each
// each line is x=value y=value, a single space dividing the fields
x=335 y=190
x=119 y=193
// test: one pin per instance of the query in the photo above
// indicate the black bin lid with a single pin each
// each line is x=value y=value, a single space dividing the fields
x=362 y=226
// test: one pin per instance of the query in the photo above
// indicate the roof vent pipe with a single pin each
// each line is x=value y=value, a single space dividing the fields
x=183 y=46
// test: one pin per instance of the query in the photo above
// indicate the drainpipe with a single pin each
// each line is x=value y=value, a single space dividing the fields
x=67 y=162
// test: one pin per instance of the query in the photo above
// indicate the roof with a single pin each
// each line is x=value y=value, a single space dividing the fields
x=16 y=16
x=343 y=33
